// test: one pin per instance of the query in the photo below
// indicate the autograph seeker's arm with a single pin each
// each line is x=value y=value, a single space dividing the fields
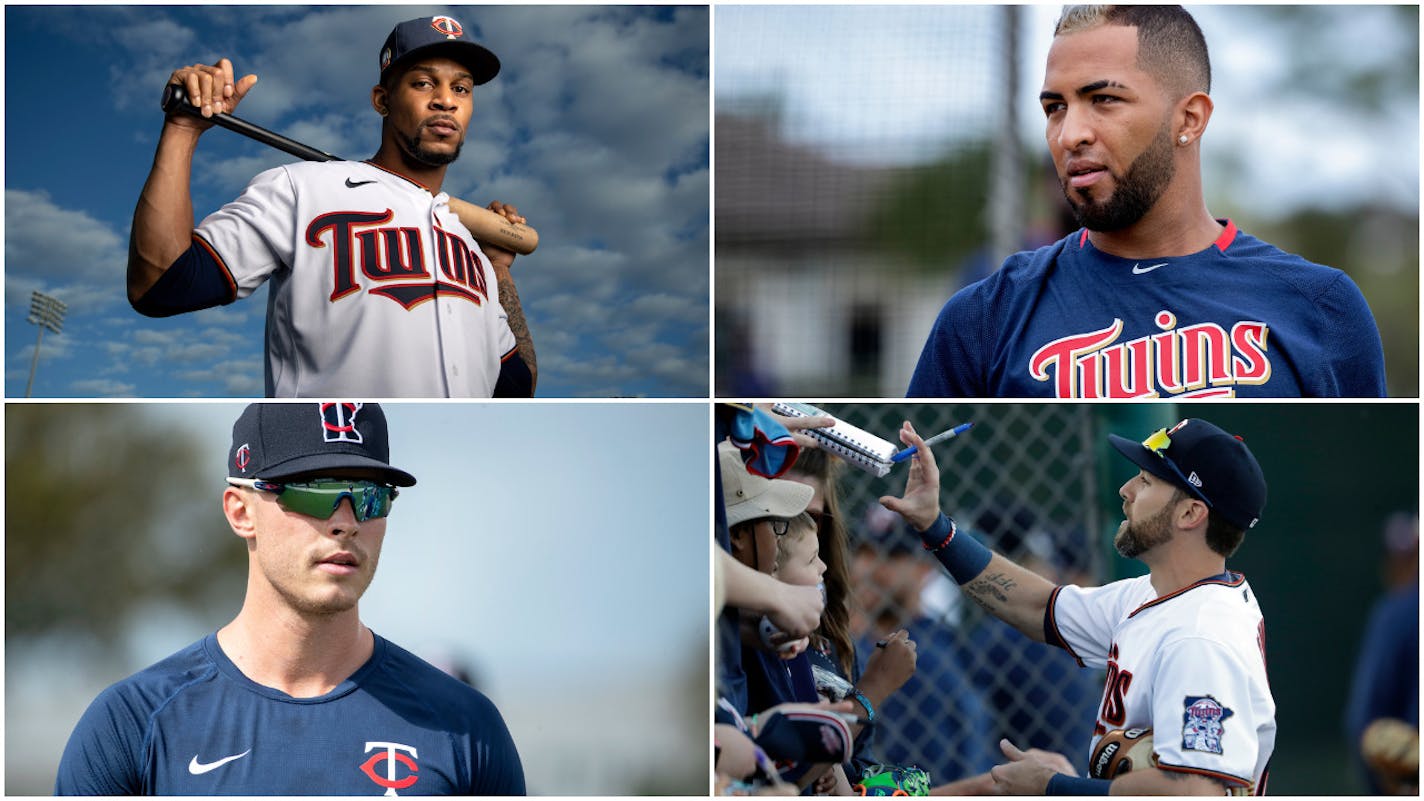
x=1012 y=593
x=163 y=219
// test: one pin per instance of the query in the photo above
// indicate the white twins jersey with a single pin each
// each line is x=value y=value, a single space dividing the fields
x=1190 y=665
x=377 y=289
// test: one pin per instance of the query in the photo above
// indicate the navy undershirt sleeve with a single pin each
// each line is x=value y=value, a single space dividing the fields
x=194 y=281
x=515 y=380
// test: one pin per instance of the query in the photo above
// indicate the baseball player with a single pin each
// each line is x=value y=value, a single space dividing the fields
x=1183 y=646
x=1153 y=296
x=377 y=289
x=296 y=696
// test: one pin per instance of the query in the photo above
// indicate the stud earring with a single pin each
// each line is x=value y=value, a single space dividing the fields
x=1183 y=139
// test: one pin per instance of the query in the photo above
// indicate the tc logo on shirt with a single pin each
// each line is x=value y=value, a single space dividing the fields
x=384 y=767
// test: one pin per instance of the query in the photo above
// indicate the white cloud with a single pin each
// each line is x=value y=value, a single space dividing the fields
x=69 y=248
x=102 y=387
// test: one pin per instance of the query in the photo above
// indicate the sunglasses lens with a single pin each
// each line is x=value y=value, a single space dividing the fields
x=320 y=499
x=1158 y=442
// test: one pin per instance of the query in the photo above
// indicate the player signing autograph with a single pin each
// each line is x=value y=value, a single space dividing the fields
x=377 y=289
x=296 y=696
x=1153 y=297
x=1183 y=646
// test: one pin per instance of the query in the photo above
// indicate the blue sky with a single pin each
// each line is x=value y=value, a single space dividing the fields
x=597 y=128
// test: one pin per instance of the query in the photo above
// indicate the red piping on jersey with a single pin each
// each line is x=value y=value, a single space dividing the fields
x=398 y=175
x=1226 y=777
x=227 y=274
x=1228 y=235
x=1236 y=581
x=1053 y=621
x=506 y=356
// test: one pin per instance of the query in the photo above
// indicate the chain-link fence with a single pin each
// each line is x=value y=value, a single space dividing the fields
x=1025 y=481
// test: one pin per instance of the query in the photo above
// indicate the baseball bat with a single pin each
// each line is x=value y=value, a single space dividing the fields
x=484 y=224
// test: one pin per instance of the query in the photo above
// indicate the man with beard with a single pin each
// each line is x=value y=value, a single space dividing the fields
x=296 y=696
x=1183 y=646
x=377 y=289
x=1153 y=297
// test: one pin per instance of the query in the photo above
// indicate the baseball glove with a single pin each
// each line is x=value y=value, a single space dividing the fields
x=1391 y=748
x=1121 y=751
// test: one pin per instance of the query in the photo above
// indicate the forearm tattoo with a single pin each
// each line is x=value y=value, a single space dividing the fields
x=509 y=299
x=991 y=590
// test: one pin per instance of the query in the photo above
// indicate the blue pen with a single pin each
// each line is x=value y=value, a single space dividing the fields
x=937 y=438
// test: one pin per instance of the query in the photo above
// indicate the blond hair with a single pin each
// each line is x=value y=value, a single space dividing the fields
x=801 y=525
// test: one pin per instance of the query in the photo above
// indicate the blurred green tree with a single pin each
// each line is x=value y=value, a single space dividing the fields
x=107 y=512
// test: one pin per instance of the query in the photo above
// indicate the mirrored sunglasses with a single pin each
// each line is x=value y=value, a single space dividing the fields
x=320 y=497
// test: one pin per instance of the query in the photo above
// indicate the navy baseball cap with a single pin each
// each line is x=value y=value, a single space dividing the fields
x=438 y=36
x=273 y=441
x=1207 y=463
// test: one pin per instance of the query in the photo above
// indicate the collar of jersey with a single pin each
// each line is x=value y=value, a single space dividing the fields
x=401 y=176
x=1228 y=579
x=230 y=670
x=1228 y=235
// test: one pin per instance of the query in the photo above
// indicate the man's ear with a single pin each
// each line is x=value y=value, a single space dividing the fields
x=238 y=509
x=1193 y=114
x=1191 y=514
x=379 y=100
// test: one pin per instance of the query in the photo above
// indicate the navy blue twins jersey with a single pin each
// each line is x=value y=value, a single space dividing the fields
x=1241 y=318
x=193 y=724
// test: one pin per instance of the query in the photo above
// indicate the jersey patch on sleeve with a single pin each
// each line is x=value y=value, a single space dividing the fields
x=1203 y=724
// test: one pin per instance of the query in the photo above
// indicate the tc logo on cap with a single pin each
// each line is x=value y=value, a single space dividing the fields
x=338 y=422
x=447 y=26
x=243 y=458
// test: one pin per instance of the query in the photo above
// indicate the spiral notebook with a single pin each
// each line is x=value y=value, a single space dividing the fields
x=857 y=446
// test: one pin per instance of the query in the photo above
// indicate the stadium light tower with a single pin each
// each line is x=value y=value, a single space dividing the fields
x=45 y=312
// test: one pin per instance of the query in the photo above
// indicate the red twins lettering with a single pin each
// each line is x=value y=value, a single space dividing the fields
x=1201 y=360
x=1114 y=709
x=392 y=260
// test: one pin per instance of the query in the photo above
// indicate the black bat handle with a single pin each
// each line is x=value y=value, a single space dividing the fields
x=175 y=100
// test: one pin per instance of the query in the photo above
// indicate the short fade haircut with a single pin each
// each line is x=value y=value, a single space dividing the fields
x=1221 y=537
x=1170 y=46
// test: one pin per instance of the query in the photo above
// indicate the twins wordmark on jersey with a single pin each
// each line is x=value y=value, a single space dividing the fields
x=1203 y=360
x=393 y=261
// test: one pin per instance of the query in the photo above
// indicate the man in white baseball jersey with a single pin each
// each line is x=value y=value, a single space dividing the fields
x=377 y=289
x=1183 y=646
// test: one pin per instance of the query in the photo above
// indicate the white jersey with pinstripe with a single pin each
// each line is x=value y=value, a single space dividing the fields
x=376 y=289
x=1190 y=665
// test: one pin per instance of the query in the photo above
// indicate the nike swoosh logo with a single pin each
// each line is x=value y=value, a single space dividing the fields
x=198 y=768
x=1136 y=270
x=350 y=184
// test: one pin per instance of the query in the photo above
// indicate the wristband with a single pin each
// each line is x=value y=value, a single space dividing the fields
x=865 y=702
x=942 y=531
x=964 y=557
x=1063 y=784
